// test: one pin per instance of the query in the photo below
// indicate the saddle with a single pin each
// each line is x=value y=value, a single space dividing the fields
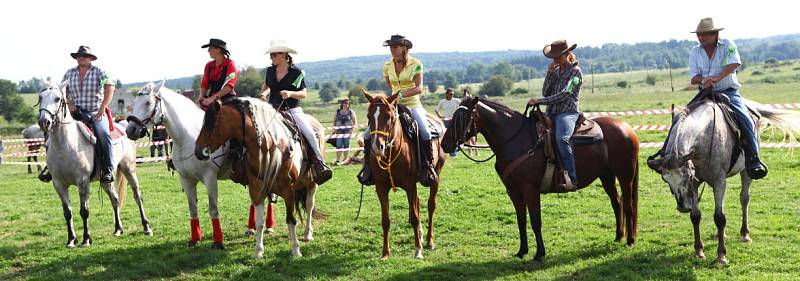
x=116 y=132
x=586 y=132
x=410 y=126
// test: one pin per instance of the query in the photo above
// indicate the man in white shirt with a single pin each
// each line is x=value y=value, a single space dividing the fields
x=446 y=108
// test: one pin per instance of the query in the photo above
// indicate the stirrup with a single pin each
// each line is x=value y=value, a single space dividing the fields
x=322 y=173
x=45 y=176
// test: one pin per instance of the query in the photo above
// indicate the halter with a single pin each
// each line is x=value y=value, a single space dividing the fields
x=386 y=164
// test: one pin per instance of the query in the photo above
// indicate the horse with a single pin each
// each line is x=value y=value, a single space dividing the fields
x=521 y=164
x=70 y=161
x=273 y=160
x=699 y=150
x=393 y=163
x=33 y=132
x=182 y=119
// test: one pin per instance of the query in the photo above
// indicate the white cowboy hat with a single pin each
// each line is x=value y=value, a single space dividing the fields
x=706 y=25
x=279 y=46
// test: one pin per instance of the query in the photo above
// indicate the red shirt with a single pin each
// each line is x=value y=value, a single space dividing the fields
x=215 y=71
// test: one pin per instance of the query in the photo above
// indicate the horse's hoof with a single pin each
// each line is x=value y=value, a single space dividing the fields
x=746 y=239
x=721 y=261
x=430 y=246
x=307 y=238
x=296 y=253
x=117 y=232
x=270 y=230
x=384 y=257
x=630 y=245
x=217 y=246
x=537 y=262
x=148 y=231
x=259 y=254
x=700 y=255
x=70 y=244
x=192 y=243
x=249 y=232
x=86 y=243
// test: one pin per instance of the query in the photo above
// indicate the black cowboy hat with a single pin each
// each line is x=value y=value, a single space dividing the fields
x=216 y=43
x=83 y=51
x=557 y=48
x=398 y=39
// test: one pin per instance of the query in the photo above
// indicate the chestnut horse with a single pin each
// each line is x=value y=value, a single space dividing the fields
x=393 y=163
x=273 y=160
x=512 y=139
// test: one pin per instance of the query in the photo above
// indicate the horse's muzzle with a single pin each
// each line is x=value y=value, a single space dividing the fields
x=135 y=132
x=201 y=152
x=45 y=124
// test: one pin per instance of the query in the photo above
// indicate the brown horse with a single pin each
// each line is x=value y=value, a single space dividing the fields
x=393 y=162
x=273 y=160
x=522 y=163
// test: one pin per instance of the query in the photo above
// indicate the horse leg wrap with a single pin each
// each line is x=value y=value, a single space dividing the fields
x=251 y=219
x=217 y=230
x=197 y=233
x=270 y=216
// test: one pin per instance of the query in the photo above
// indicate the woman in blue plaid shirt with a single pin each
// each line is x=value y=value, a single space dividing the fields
x=561 y=91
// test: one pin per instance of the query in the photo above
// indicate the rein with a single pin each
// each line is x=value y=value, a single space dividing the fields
x=386 y=164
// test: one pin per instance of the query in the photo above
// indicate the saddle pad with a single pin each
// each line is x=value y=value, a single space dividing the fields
x=116 y=134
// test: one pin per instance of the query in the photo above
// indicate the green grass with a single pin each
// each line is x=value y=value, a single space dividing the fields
x=476 y=233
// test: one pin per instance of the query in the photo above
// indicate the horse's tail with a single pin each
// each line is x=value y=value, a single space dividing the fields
x=785 y=121
x=122 y=181
x=300 y=202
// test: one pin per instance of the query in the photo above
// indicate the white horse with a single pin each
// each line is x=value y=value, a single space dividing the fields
x=70 y=159
x=183 y=120
x=700 y=150
x=33 y=132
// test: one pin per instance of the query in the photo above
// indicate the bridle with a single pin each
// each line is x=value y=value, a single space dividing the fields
x=158 y=108
x=470 y=128
x=62 y=107
x=386 y=164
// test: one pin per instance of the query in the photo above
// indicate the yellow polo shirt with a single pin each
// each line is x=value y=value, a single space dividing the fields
x=404 y=80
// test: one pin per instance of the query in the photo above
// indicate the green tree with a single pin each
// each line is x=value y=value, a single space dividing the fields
x=328 y=93
x=10 y=101
x=433 y=85
x=650 y=79
x=450 y=80
x=495 y=86
x=196 y=83
x=249 y=83
x=355 y=95
x=373 y=85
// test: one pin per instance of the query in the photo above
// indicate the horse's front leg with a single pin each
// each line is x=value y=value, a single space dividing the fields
x=63 y=194
x=114 y=198
x=413 y=219
x=535 y=209
x=190 y=189
x=213 y=211
x=83 y=192
x=522 y=221
x=698 y=241
x=383 y=197
x=133 y=181
x=259 y=224
x=720 y=221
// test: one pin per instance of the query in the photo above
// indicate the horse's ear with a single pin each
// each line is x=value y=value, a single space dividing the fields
x=393 y=98
x=157 y=90
x=63 y=85
x=369 y=96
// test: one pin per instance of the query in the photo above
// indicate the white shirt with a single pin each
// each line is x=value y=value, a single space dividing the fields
x=447 y=107
x=725 y=53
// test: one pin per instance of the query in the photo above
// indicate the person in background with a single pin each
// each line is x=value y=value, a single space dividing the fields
x=446 y=108
x=345 y=119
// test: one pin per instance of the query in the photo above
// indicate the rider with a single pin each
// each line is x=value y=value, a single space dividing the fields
x=89 y=91
x=561 y=91
x=283 y=88
x=219 y=74
x=403 y=74
x=712 y=65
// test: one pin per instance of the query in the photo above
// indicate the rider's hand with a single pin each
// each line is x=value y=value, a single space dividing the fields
x=99 y=115
x=709 y=82
x=207 y=101
x=286 y=94
x=533 y=102
x=71 y=106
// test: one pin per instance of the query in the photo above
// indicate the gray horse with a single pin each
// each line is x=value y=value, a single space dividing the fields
x=33 y=132
x=699 y=149
x=70 y=161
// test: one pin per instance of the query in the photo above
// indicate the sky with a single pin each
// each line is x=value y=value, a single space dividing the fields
x=147 y=40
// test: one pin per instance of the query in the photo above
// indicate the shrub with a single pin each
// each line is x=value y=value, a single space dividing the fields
x=650 y=79
x=622 y=84
x=519 y=91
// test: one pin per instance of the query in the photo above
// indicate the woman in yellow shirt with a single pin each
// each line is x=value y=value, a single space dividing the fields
x=403 y=74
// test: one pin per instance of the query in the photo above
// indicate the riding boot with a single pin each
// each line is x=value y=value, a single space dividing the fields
x=322 y=172
x=45 y=175
x=755 y=168
x=365 y=176
x=106 y=175
x=427 y=175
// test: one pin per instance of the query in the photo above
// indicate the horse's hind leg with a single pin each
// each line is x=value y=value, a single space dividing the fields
x=133 y=180
x=308 y=235
x=609 y=185
x=83 y=192
x=114 y=198
x=30 y=171
x=213 y=211
x=413 y=218
x=744 y=198
x=63 y=194
x=431 y=210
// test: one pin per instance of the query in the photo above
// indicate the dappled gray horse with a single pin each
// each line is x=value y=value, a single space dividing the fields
x=700 y=149
x=70 y=158
x=33 y=132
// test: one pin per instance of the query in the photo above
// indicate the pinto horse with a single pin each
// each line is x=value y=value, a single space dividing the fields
x=522 y=164
x=273 y=160
x=183 y=119
x=393 y=164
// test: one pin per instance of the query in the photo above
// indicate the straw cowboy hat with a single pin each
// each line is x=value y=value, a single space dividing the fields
x=557 y=48
x=83 y=51
x=279 y=46
x=398 y=39
x=216 y=43
x=706 y=25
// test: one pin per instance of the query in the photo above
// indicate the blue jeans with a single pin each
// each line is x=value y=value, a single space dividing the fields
x=103 y=133
x=564 y=126
x=447 y=123
x=420 y=117
x=745 y=122
x=307 y=131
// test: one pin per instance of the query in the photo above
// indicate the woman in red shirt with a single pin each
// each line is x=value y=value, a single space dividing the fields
x=219 y=75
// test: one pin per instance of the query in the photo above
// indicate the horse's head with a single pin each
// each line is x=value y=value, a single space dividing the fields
x=52 y=105
x=147 y=110
x=679 y=173
x=221 y=123
x=463 y=126
x=382 y=116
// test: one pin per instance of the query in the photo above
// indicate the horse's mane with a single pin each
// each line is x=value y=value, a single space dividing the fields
x=265 y=119
x=497 y=106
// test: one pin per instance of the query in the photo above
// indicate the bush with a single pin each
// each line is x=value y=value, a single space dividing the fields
x=757 y=72
x=495 y=86
x=769 y=80
x=328 y=93
x=650 y=80
x=519 y=91
x=622 y=84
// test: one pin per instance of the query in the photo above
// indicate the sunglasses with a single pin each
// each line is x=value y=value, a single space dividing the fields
x=272 y=55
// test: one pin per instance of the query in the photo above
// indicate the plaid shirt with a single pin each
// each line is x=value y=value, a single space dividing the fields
x=561 y=91
x=725 y=54
x=87 y=93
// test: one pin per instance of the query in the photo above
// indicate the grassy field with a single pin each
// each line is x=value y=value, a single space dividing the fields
x=476 y=233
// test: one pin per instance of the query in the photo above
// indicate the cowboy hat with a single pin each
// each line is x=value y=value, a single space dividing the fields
x=398 y=39
x=83 y=51
x=557 y=48
x=706 y=25
x=279 y=46
x=216 y=43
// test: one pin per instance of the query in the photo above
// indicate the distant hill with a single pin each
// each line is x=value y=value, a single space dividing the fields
x=606 y=58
